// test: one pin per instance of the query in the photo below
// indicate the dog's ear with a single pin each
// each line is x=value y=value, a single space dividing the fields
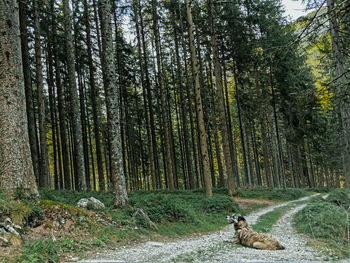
x=241 y=218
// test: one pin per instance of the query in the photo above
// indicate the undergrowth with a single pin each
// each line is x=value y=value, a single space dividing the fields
x=327 y=221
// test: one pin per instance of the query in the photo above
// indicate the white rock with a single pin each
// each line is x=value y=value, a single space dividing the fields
x=3 y=240
x=92 y=201
x=12 y=230
x=155 y=244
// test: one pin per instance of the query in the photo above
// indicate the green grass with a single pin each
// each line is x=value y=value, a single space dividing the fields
x=327 y=222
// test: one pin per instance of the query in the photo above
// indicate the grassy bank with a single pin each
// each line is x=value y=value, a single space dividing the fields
x=327 y=222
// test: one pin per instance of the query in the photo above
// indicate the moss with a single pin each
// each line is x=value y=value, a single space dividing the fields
x=20 y=211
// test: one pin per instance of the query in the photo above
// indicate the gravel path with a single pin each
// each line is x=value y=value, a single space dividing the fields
x=217 y=246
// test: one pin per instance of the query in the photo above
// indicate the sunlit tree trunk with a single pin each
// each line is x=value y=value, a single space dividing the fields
x=199 y=106
x=16 y=168
x=73 y=92
x=221 y=106
x=112 y=104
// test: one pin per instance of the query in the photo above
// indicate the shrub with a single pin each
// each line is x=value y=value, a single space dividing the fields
x=160 y=207
x=287 y=194
x=323 y=220
x=272 y=194
x=186 y=206
x=218 y=204
x=40 y=251
x=339 y=197
x=319 y=189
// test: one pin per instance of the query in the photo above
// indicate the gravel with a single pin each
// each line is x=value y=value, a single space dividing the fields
x=217 y=246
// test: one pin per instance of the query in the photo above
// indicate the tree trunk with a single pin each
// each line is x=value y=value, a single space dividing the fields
x=154 y=149
x=278 y=137
x=151 y=146
x=199 y=106
x=83 y=125
x=163 y=100
x=183 y=108
x=61 y=107
x=256 y=153
x=247 y=177
x=342 y=89
x=269 y=180
x=52 y=102
x=16 y=168
x=97 y=26
x=221 y=105
x=94 y=95
x=44 y=153
x=216 y=140
x=112 y=105
x=76 y=119
x=28 y=88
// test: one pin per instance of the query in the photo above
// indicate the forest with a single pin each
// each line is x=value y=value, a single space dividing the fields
x=143 y=95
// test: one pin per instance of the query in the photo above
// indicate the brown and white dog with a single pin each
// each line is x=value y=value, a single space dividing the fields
x=248 y=237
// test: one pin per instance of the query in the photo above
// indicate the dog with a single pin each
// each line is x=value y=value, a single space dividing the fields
x=249 y=238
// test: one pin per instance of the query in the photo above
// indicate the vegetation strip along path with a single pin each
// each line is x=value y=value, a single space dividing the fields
x=217 y=246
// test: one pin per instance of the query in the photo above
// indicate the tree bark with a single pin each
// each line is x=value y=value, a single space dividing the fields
x=183 y=109
x=269 y=180
x=16 y=168
x=247 y=175
x=342 y=89
x=190 y=100
x=44 y=177
x=151 y=146
x=221 y=105
x=199 y=106
x=28 y=89
x=163 y=100
x=149 y=102
x=83 y=124
x=76 y=119
x=112 y=104
x=52 y=103
x=61 y=106
x=94 y=95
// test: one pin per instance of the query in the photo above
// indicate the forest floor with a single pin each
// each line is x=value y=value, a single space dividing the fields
x=217 y=246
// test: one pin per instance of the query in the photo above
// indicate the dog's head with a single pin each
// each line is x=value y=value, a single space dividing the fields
x=235 y=218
